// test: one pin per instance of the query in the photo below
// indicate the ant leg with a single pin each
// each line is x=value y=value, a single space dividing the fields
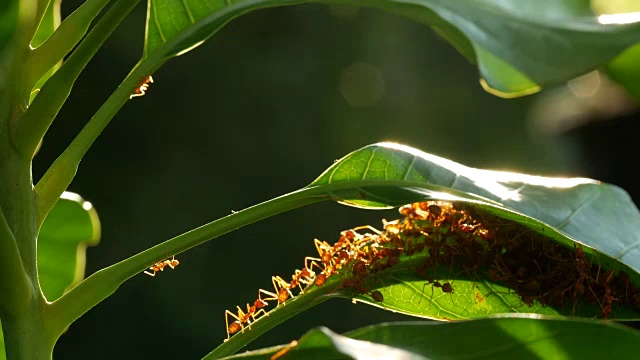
x=422 y=294
x=150 y=274
x=255 y=314
x=369 y=227
x=313 y=263
x=268 y=293
x=141 y=93
x=235 y=328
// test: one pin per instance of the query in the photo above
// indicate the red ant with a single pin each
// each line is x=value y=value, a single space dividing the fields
x=325 y=251
x=306 y=275
x=251 y=314
x=241 y=318
x=282 y=288
x=143 y=86
x=159 y=266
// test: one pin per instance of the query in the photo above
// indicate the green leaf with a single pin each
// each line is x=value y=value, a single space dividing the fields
x=625 y=70
x=70 y=227
x=519 y=47
x=498 y=338
x=508 y=206
x=599 y=215
x=48 y=25
x=404 y=287
x=54 y=40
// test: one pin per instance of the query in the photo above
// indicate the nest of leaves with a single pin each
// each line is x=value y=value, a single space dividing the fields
x=481 y=246
x=435 y=237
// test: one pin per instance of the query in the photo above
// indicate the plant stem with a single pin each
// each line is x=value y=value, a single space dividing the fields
x=29 y=130
x=278 y=315
x=58 y=177
x=24 y=335
x=21 y=303
x=15 y=290
x=62 y=41
x=103 y=283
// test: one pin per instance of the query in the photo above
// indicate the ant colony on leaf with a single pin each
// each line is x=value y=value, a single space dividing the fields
x=447 y=235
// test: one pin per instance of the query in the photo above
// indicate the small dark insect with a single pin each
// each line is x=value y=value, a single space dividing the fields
x=446 y=287
x=435 y=210
x=377 y=296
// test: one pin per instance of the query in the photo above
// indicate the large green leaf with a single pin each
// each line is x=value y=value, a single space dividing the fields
x=599 y=215
x=519 y=45
x=536 y=222
x=500 y=338
x=70 y=227
x=402 y=287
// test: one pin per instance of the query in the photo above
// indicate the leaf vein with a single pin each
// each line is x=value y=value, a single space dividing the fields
x=186 y=7
x=157 y=22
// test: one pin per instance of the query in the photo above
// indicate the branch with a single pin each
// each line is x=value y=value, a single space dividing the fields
x=15 y=288
x=30 y=129
x=62 y=41
x=97 y=287
x=58 y=177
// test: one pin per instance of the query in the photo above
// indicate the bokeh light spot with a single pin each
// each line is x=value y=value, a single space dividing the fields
x=362 y=84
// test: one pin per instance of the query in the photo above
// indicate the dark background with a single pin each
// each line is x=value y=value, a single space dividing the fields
x=259 y=110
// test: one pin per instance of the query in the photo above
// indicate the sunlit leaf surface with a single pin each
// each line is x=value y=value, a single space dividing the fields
x=70 y=227
x=480 y=243
x=442 y=263
x=518 y=45
x=599 y=215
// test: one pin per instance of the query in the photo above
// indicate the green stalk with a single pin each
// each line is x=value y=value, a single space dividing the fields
x=62 y=41
x=22 y=302
x=312 y=297
x=15 y=286
x=29 y=130
x=58 y=177
x=18 y=53
x=97 y=287
x=105 y=282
